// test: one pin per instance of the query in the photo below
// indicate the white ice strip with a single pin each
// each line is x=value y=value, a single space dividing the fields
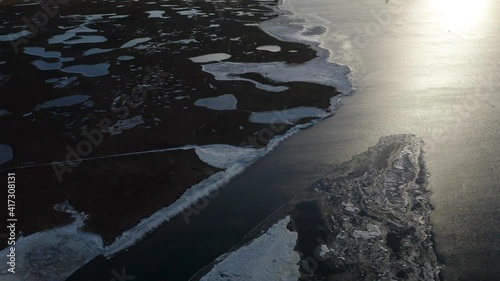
x=157 y=14
x=94 y=51
x=14 y=36
x=88 y=70
x=210 y=58
x=53 y=254
x=269 y=257
x=317 y=71
x=286 y=116
x=269 y=48
x=191 y=13
x=64 y=101
x=135 y=42
x=6 y=153
x=224 y=156
x=224 y=102
x=126 y=124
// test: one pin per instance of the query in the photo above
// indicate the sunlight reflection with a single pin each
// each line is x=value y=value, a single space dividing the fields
x=461 y=16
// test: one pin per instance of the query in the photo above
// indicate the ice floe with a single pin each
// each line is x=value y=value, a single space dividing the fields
x=94 y=51
x=135 y=42
x=377 y=210
x=210 y=58
x=124 y=58
x=269 y=257
x=223 y=156
x=43 y=65
x=4 y=112
x=14 y=36
x=157 y=14
x=224 y=102
x=64 y=101
x=126 y=124
x=6 y=153
x=69 y=34
x=40 y=52
x=88 y=70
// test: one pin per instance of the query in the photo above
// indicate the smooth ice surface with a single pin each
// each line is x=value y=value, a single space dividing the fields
x=94 y=51
x=64 y=101
x=269 y=48
x=210 y=58
x=224 y=102
x=124 y=58
x=40 y=52
x=135 y=42
x=286 y=116
x=317 y=71
x=87 y=39
x=126 y=124
x=14 y=36
x=191 y=13
x=43 y=65
x=157 y=14
x=88 y=70
x=6 y=153
x=223 y=156
x=62 y=82
x=69 y=34
x=271 y=256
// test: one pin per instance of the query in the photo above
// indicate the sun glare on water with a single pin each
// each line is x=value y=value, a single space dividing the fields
x=461 y=16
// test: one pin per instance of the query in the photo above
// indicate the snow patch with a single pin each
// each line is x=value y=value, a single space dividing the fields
x=210 y=58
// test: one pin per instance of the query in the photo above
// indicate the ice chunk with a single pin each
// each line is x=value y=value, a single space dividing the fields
x=223 y=156
x=210 y=58
x=224 y=102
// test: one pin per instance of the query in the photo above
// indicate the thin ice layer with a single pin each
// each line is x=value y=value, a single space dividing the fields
x=317 y=71
x=269 y=257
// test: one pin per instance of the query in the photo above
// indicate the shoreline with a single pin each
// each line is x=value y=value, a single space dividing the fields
x=137 y=233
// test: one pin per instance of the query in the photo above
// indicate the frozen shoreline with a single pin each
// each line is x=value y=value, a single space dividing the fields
x=56 y=239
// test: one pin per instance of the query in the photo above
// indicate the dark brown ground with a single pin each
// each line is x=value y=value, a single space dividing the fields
x=118 y=192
